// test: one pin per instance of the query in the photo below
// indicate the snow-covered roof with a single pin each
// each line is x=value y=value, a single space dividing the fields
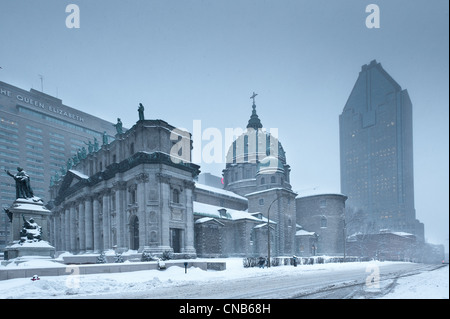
x=79 y=174
x=303 y=232
x=218 y=191
x=382 y=231
x=268 y=190
x=265 y=225
x=206 y=219
x=403 y=234
x=207 y=210
x=317 y=191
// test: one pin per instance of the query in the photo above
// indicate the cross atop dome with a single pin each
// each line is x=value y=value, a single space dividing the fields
x=253 y=97
x=254 y=121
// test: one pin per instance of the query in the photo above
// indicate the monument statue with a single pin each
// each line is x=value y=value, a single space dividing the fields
x=141 y=112
x=31 y=231
x=105 y=138
x=90 y=147
x=23 y=187
x=69 y=164
x=96 y=147
x=25 y=231
x=75 y=159
x=118 y=126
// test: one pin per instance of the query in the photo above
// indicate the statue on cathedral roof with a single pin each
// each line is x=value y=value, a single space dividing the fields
x=141 y=112
x=118 y=126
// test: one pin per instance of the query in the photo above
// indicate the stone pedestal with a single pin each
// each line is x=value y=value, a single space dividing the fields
x=34 y=249
x=28 y=208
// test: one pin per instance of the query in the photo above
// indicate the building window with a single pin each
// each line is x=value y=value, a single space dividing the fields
x=263 y=181
x=323 y=222
x=323 y=203
x=272 y=179
x=132 y=196
x=132 y=148
x=261 y=201
x=176 y=196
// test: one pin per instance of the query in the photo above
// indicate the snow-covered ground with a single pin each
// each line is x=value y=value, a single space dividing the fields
x=429 y=284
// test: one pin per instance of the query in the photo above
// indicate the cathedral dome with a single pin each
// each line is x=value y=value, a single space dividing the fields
x=254 y=153
x=256 y=146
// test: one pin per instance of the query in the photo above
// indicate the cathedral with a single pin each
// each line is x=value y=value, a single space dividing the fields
x=141 y=192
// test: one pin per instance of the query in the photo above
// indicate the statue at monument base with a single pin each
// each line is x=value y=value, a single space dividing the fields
x=29 y=219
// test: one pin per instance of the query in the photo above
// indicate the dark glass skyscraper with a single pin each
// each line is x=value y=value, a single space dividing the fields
x=376 y=154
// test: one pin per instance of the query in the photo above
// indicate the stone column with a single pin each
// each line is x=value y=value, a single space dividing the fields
x=61 y=232
x=82 y=225
x=67 y=245
x=165 y=211
x=55 y=242
x=57 y=230
x=97 y=229
x=106 y=220
x=73 y=228
x=141 y=180
x=189 y=219
x=88 y=224
x=121 y=224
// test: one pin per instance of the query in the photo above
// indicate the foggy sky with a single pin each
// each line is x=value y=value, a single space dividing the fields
x=203 y=59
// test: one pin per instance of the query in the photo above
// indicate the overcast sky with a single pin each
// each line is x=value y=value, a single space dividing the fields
x=202 y=60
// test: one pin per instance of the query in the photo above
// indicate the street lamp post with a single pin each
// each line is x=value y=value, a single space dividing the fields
x=268 y=232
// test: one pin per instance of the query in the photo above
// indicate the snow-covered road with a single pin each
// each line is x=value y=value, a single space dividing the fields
x=349 y=280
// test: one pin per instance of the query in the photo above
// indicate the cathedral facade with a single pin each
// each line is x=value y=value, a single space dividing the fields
x=141 y=192
x=131 y=194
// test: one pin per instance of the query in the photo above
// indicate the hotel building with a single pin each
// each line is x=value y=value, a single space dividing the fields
x=39 y=133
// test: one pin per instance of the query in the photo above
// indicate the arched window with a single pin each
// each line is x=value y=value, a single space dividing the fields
x=263 y=181
x=272 y=179
x=132 y=149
